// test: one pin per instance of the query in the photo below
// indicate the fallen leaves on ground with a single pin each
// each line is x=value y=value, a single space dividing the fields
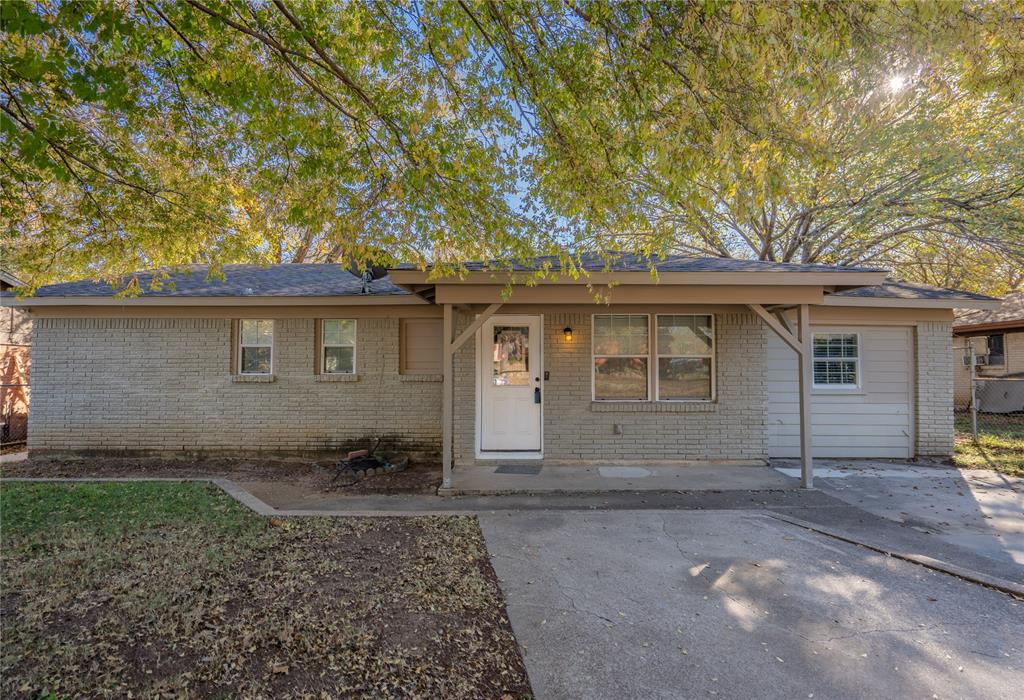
x=173 y=589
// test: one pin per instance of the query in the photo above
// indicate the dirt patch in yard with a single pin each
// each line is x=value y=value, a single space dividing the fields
x=166 y=589
x=311 y=477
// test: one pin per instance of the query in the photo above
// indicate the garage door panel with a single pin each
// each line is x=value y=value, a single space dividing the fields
x=874 y=420
x=889 y=419
x=836 y=405
x=835 y=430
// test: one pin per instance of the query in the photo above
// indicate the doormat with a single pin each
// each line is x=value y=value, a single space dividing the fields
x=527 y=469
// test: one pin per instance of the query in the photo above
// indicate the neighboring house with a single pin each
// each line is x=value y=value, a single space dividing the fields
x=998 y=338
x=702 y=366
x=15 y=347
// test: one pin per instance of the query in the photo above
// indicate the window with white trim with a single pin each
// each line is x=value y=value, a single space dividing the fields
x=621 y=357
x=338 y=346
x=686 y=356
x=836 y=358
x=255 y=346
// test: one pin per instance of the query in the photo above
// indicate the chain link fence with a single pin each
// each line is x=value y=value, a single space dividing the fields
x=990 y=413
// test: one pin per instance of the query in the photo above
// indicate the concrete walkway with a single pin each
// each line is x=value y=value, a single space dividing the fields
x=524 y=477
x=670 y=604
x=813 y=510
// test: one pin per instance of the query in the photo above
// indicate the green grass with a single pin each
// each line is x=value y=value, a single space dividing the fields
x=1000 y=443
x=174 y=589
x=109 y=509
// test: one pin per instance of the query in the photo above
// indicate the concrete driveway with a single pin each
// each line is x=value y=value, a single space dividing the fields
x=977 y=509
x=670 y=604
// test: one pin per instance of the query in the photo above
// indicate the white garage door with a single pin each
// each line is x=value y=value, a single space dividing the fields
x=872 y=420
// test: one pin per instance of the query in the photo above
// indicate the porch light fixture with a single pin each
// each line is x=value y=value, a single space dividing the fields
x=567 y=333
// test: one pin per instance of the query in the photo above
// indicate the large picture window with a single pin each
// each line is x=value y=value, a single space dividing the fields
x=621 y=352
x=338 y=346
x=256 y=346
x=682 y=357
x=685 y=350
x=836 y=360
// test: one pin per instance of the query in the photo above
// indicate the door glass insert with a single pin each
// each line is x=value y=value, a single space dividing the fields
x=511 y=364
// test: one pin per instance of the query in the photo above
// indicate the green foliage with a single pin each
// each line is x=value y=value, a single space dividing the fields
x=136 y=135
x=852 y=133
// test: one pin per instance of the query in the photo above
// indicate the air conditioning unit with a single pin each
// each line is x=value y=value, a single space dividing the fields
x=979 y=360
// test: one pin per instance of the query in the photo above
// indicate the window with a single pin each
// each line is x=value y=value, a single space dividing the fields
x=996 y=351
x=337 y=346
x=256 y=346
x=420 y=340
x=836 y=359
x=685 y=353
x=620 y=357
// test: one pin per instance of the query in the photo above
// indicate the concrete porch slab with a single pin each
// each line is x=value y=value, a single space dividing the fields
x=603 y=478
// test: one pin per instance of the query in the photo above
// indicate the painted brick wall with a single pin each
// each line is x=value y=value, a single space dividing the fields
x=577 y=429
x=933 y=348
x=166 y=385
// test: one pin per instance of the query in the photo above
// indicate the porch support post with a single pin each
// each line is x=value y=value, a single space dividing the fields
x=806 y=378
x=448 y=386
x=447 y=398
x=800 y=342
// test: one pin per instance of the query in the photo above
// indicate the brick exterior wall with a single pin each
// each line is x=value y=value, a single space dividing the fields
x=165 y=385
x=579 y=430
x=933 y=346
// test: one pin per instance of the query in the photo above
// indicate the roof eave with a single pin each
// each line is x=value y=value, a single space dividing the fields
x=838 y=278
x=992 y=326
x=836 y=300
x=339 y=300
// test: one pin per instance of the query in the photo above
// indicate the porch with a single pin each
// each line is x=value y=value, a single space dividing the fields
x=615 y=371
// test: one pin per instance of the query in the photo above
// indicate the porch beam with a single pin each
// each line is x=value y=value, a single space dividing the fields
x=801 y=343
x=447 y=397
x=448 y=385
x=474 y=326
x=784 y=320
x=773 y=323
x=806 y=379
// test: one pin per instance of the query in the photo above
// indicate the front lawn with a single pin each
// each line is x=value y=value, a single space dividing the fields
x=171 y=589
x=1000 y=443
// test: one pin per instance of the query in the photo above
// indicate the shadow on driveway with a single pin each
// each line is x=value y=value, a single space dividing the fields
x=977 y=509
x=663 y=604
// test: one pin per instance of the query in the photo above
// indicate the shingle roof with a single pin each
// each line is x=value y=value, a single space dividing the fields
x=630 y=262
x=289 y=280
x=8 y=280
x=1012 y=309
x=892 y=289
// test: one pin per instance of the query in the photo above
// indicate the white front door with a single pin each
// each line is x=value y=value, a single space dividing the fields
x=509 y=376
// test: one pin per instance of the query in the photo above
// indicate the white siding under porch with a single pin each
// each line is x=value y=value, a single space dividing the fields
x=874 y=420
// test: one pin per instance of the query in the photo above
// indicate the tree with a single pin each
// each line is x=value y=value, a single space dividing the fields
x=161 y=133
x=155 y=133
x=899 y=128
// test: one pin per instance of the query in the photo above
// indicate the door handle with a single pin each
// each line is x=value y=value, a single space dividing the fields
x=536 y=395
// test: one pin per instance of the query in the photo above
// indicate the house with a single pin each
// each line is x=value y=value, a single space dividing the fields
x=998 y=339
x=15 y=346
x=715 y=361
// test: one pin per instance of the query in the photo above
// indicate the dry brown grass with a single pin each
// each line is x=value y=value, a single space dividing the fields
x=164 y=589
